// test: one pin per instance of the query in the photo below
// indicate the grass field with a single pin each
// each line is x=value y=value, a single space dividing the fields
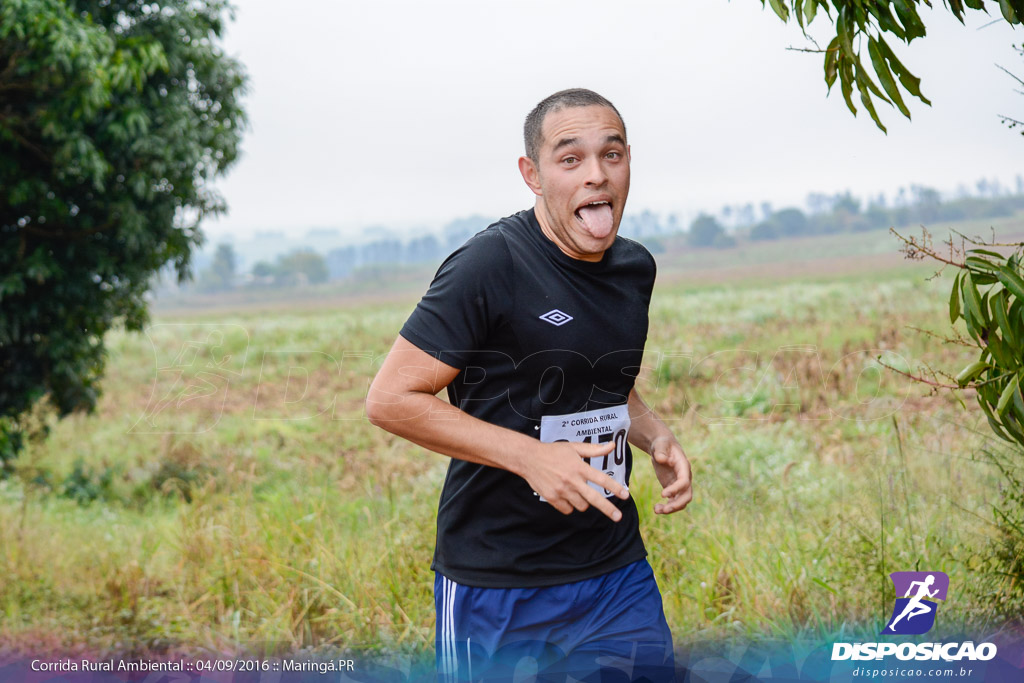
x=228 y=495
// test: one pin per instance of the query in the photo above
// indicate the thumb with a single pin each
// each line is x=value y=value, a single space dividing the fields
x=660 y=454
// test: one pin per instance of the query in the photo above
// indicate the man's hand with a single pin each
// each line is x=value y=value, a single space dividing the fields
x=558 y=473
x=673 y=470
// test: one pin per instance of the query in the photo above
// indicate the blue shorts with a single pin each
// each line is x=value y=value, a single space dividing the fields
x=608 y=628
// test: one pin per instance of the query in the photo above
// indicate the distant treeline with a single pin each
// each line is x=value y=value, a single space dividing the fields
x=826 y=214
x=428 y=248
x=848 y=214
x=830 y=214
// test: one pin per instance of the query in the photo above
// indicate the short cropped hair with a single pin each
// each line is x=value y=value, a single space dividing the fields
x=563 y=99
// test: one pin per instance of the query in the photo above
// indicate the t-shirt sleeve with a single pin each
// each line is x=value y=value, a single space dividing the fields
x=465 y=302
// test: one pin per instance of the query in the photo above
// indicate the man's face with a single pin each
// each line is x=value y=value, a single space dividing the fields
x=581 y=179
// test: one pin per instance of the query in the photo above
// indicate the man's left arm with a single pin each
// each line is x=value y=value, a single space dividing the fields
x=648 y=433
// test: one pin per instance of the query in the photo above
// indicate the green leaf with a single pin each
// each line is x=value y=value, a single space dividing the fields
x=780 y=9
x=810 y=10
x=1012 y=280
x=976 y=263
x=976 y=322
x=911 y=82
x=971 y=297
x=984 y=279
x=994 y=423
x=843 y=32
x=846 y=82
x=1013 y=428
x=1018 y=405
x=865 y=81
x=907 y=13
x=865 y=99
x=971 y=372
x=885 y=77
x=957 y=7
x=1007 y=395
x=986 y=252
x=1001 y=354
x=1016 y=317
x=1008 y=12
x=998 y=304
x=831 y=62
x=887 y=22
x=954 y=301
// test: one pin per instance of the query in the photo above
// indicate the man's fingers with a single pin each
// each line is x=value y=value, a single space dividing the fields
x=674 y=505
x=607 y=483
x=562 y=506
x=681 y=483
x=584 y=498
x=593 y=450
x=602 y=504
x=579 y=500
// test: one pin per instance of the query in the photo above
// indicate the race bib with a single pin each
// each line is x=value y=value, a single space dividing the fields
x=604 y=425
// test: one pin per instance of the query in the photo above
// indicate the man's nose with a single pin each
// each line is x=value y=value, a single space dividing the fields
x=595 y=172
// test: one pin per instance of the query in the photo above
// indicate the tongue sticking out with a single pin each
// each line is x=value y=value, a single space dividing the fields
x=597 y=219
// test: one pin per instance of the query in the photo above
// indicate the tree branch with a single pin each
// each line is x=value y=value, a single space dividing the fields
x=959 y=340
x=917 y=378
x=914 y=250
x=1010 y=73
x=817 y=50
x=986 y=244
x=939 y=385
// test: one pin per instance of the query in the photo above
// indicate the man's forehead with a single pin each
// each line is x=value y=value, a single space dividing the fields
x=570 y=121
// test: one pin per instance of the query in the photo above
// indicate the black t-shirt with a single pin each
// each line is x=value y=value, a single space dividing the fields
x=548 y=346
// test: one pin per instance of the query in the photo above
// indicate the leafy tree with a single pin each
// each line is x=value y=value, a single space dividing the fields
x=791 y=221
x=860 y=26
x=706 y=231
x=221 y=273
x=988 y=297
x=302 y=264
x=765 y=230
x=114 y=117
x=263 y=269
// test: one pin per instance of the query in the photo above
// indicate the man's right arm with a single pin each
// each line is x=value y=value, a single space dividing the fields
x=402 y=399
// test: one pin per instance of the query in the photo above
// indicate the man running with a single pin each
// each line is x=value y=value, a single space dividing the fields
x=536 y=327
x=916 y=606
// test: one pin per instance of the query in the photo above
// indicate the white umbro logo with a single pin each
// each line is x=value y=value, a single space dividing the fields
x=556 y=317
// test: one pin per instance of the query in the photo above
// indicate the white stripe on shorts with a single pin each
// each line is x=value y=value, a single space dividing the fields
x=449 y=655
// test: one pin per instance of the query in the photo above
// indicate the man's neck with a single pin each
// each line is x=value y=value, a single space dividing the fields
x=544 y=220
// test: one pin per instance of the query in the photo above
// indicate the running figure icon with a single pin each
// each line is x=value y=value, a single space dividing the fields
x=916 y=606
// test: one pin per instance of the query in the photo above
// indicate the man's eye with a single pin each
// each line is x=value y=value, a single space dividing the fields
x=569 y=160
x=613 y=155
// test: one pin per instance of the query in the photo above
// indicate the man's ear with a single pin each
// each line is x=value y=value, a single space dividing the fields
x=531 y=174
x=629 y=154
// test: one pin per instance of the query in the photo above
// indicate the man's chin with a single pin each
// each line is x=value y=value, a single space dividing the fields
x=593 y=246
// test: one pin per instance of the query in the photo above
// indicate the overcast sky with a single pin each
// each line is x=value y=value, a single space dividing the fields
x=408 y=114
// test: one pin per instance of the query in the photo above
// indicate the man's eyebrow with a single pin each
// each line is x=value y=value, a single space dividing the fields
x=566 y=142
x=569 y=142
